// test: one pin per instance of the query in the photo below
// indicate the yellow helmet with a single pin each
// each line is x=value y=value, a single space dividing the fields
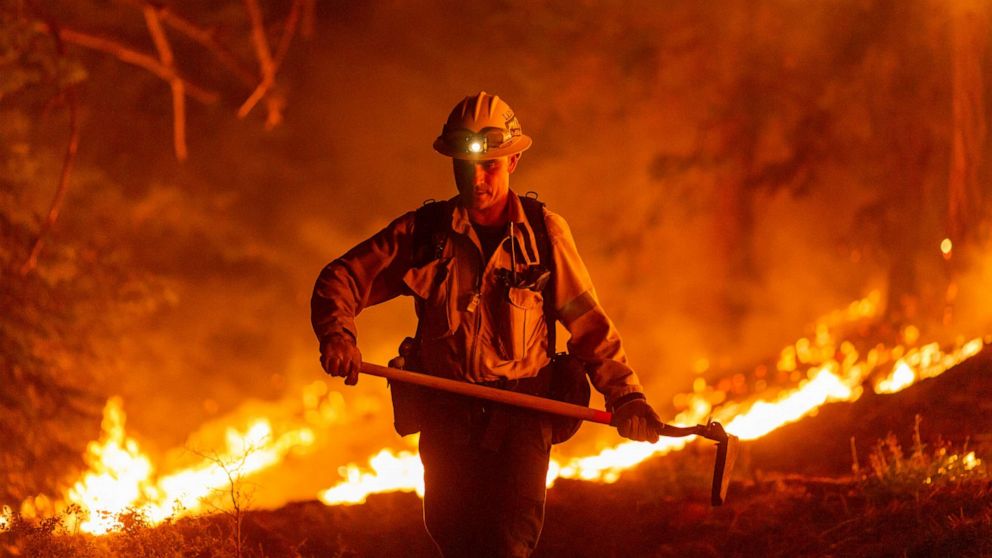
x=481 y=127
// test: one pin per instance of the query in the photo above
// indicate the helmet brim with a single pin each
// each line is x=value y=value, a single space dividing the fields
x=519 y=144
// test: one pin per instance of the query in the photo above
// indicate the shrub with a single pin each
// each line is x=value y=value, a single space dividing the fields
x=893 y=473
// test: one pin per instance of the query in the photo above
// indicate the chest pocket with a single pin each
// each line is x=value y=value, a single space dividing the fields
x=432 y=285
x=520 y=322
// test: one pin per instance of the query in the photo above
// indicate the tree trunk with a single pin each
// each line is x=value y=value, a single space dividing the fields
x=969 y=38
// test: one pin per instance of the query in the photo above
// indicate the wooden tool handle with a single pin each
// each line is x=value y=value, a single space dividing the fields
x=490 y=393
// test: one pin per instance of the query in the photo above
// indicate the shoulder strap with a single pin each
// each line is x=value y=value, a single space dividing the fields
x=431 y=225
x=534 y=210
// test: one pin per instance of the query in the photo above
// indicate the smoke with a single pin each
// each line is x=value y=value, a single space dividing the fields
x=712 y=164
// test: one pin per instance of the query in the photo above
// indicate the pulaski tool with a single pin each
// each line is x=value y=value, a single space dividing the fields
x=726 y=444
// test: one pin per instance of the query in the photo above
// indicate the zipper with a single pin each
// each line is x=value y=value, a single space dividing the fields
x=473 y=368
x=513 y=258
x=474 y=359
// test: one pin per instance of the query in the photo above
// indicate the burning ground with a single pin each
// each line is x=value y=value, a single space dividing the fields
x=841 y=462
x=886 y=475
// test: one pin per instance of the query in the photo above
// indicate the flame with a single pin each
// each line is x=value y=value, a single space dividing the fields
x=763 y=417
x=833 y=371
x=6 y=517
x=901 y=377
x=118 y=472
x=390 y=473
x=121 y=477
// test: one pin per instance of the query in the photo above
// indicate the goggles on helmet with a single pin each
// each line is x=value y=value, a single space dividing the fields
x=481 y=142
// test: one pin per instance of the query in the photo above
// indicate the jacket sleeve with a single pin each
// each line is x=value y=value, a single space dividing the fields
x=594 y=339
x=368 y=274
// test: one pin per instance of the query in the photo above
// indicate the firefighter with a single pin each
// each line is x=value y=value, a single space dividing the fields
x=486 y=305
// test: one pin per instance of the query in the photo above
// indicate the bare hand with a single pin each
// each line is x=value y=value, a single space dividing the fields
x=339 y=356
x=636 y=420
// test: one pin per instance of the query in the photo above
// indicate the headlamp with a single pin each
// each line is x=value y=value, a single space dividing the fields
x=487 y=139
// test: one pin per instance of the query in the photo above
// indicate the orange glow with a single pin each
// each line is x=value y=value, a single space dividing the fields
x=825 y=369
x=701 y=365
x=118 y=475
x=122 y=477
x=390 y=472
x=902 y=376
x=926 y=362
x=970 y=461
x=910 y=335
x=828 y=380
x=763 y=416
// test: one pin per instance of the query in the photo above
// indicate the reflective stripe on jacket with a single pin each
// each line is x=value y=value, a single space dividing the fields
x=474 y=326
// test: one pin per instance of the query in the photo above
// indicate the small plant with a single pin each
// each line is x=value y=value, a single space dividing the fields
x=134 y=535
x=891 y=472
x=52 y=537
x=233 y=500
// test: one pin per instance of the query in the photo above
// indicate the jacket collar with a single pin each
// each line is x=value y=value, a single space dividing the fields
x=522 y=230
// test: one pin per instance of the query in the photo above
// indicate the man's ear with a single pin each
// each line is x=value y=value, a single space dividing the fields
x=512 y=163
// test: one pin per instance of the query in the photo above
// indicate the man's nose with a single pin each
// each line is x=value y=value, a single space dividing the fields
x=478 y=173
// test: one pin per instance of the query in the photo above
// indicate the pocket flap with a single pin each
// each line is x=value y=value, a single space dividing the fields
x=424 y=280
x=525 y=298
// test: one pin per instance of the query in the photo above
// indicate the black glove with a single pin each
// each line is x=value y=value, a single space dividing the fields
x=339 y=355
x=636 y=420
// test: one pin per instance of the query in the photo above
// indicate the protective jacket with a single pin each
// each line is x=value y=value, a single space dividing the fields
x=479 y=321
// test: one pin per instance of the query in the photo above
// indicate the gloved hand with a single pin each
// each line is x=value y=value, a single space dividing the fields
x=339 y=355
x=636 y=420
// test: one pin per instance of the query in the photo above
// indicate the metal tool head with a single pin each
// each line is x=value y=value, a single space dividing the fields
x=726 y=455
x=727 y=446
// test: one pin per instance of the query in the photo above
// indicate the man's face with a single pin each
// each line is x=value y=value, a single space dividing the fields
x=484 y=184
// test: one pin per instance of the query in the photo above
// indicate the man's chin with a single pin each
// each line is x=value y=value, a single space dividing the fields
x=476 y=201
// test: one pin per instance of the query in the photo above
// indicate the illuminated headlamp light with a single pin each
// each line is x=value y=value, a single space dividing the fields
x=483 y=141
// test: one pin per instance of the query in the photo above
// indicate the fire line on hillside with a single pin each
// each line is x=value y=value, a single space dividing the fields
x=825 y=369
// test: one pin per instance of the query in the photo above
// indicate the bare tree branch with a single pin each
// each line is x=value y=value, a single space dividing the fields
x=165 y=68
x=258 y=39
x=309 y=17
x=274 y=102
x=179 y=119
x=130 y=55
x=178 y=88
x=67 y=162
x=270 y=65
x=203 y=36
x=289 y=28
x=264 y=55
